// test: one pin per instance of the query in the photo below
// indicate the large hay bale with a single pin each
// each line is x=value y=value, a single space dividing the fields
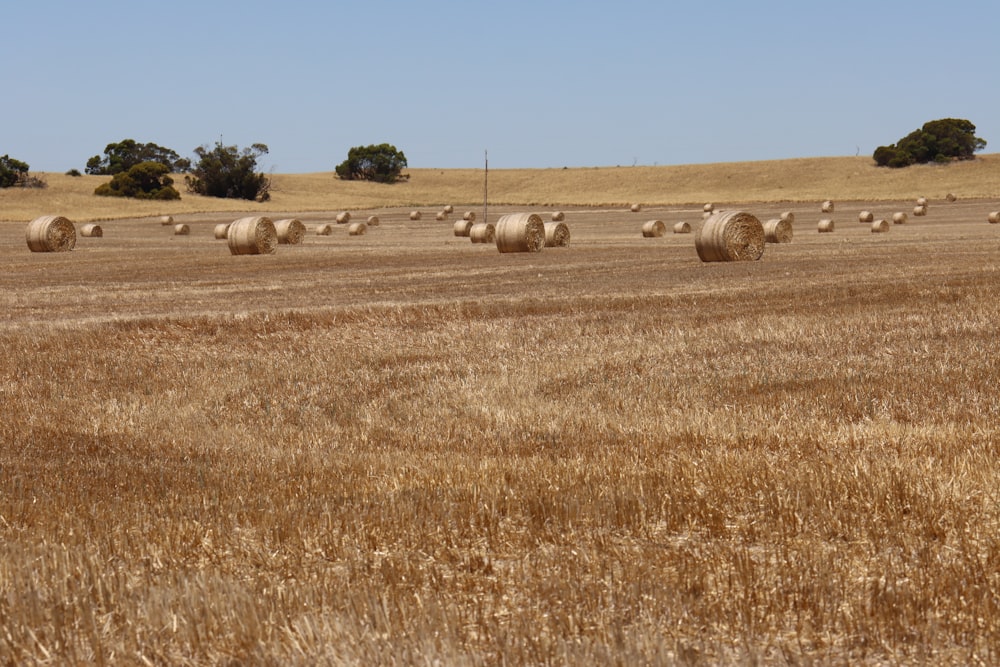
x=252 y=236
x=415 y=215
x=469 y=215
x=866 y=216
x=50 y=233
x=343 y=218
x=180 y=229
x=91 y=230
x=373 y=221
x=788 y=217
x=558 y=216
x=520 y=232
x=880 y=226
x=730 y=236
x=825 y=225
x=166 y=220
x=221 y=230
x=899 y=218
x=635 y=208
x=993 y=217
x=462 y=227
x=777 y=230
x=826 y=207
x=324 y=229
x=652 y=229
x=682 y=228
x=556 y=235
x=483 y=232
x=290 y=231
x=357 y=229
x=919 y=211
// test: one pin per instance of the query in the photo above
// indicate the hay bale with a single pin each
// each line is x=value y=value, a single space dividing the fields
x=50 y=233
x=520 y=232
x=921 y=201
x=705 y=215
x=221 y=230
x=826 y=207
x=252 y=236
x=919 y=211
x=635 y=208
x=950 y=196
x=899 y=218
x=865 y=216
x=343 y=218
x=556 y=235
x=708 y=208
x=483 y=232
x=777 y=230
x=993 y=217
x=788 y=217
x=290 y=231
x=880 y=226
x=373 y=221
x=180 y=229
x=558 y=216
x=441 y=216
x=324 y=229
x=91 y=230
x=825 y=225
x=414 y=215
x=166 y=220
x=730 y=236
x=682 y=228
x=652 y=229
x=357 y=229
x=469 y=215
x=449 y=209
x=462 y=227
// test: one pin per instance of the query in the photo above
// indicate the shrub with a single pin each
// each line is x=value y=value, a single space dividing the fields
x=227 y=172
x=74 y=172
x=127 y=153
x=146 y=180
x=382 y=163
x=939 y=141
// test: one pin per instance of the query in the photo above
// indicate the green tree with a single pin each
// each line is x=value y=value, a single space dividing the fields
x=942 y=140
x=127 y=153
x=230 y=173
x=146 y=180
x=381 y=163
x=12 y=172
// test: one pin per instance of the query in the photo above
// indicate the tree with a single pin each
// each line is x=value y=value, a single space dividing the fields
x=122 y=156
x=381 y=163
x=230 y=173
x=12 y=172
x=146 y=180
x=943 y=140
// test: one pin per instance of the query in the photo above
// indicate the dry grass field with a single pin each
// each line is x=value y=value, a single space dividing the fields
x=405 y=448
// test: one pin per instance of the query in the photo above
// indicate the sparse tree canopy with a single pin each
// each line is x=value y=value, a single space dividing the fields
x=381 y=163
x=122 y=156
x=12 y=172
x=228 y=172
x=941 y=140
x=146 y=180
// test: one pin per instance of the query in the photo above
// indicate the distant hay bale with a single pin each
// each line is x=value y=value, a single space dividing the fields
x=441 y=216
x=880 y=226
x=899 y=218
x=993 y=217
x=324 y=229
x=652 y=229
x=635 y=208
x=520 y=232
x=180 y=229
x=866 y=216
x=951 y=196
x=788 y=217
x=825 y=225
x=730 y=236
x=921 y=201
x=826 y=207
x=166 y=220
x=469 y=215
x=448 y=208
x=708 y=208
x=91 y=230
x=462 y=227
x=705 y=215
x=252 y=236
x=221 y=230
x=919 y=211
x=558 y=216
x=682 y=228
x=373 y=221
x=50 y=233
x=414 y=215
x=483 y=232
x=777 y=230
x=290 y=231
x=357 y=229
x=556 y=235
x=343 y=218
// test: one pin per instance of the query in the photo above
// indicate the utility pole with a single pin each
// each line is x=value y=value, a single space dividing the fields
x=486 y=183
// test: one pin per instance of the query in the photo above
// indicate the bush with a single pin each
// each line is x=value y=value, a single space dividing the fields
x=127 y=153
x=146 y=180
x=939 y=141
x=12 y=172
x=381 y=163
x=227 y=172
x=74 y=172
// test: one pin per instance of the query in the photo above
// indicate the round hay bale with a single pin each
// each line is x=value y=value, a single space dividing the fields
x=708 y=208
x=730 y=236
x=826 y=207
x=180 y=229
x=993 y=217
x=221 y=230
x=951 y=196
x=652 y=229
x=777 y=230
x=919 y=211
x=469 y=215
x=462 y=227
x=343 y=218
x=324 y=229
x=520 y=232
x=921 y=201
x=866 y=216
x=558 y=216
x=635 y=208
x=483 y=232
x=290 y=231
x=899 y=218
x=50 y=233
x=91 y=230
x=357 y=229
x=373 y=221
x=788 y=217
x=441 y=216
x=825 y=225
x=682 y=228
x=705 y=215
x=414 y=215
x=880 y=226
x=556 y=235
x=166 y=220
x=252 y=236
x=448 y=208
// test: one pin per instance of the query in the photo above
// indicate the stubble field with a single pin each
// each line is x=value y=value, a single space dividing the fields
x=404 y=448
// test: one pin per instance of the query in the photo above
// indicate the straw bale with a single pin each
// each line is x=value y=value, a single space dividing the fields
x=652 y=229
x=730 y=236
x=994 y=217
x=324 y=229
x=483 y=232
x=951 y=196
x=449 y=209
x=221 y=230
x=180 y=229
x=635 y=208
x=558 y=216
x=343 y=218
x=825 y=225
x=919 y=211
x=682 y=228
x=788 y=217
x=866 y=216
x=880 y=226
x=50 y=233
x=414 y=215
x=708 y=208
x=520 y=232
x=777 y=230
x=373 y=221
x=252 y=236
x=462 y=227
x=441 y=216
x=921 y=201
x=469 y=215
x=826 y=207
x=91 y=230
x=357 y=229
x=556 y=235
x=290 y=231
x=166 y=220
x=899 y=218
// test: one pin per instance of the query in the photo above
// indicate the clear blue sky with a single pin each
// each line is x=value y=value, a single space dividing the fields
x=537 y=83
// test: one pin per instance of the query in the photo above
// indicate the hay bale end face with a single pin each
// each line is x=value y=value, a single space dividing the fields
x=788 y=217
x=342 y=218
x=556 y=235
x=252 y=236
x=290 y=231
x=324 y=229
x=682 y=228
x=462 y=227
x=166 y=220
x=866 y=216
x=880 y=226
x=558 y=216
x=415 y=215
x=91 y=230
x=994 y=217
x=373 y=221
x=357 y=229
x=483 y=232
x=50 y=233
x=181 y=229
x=777 y=230
x=826 y=207
x=730 y=236
x=825 y=226
x=899 y=218
x=652 y=229
x=520 y=232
